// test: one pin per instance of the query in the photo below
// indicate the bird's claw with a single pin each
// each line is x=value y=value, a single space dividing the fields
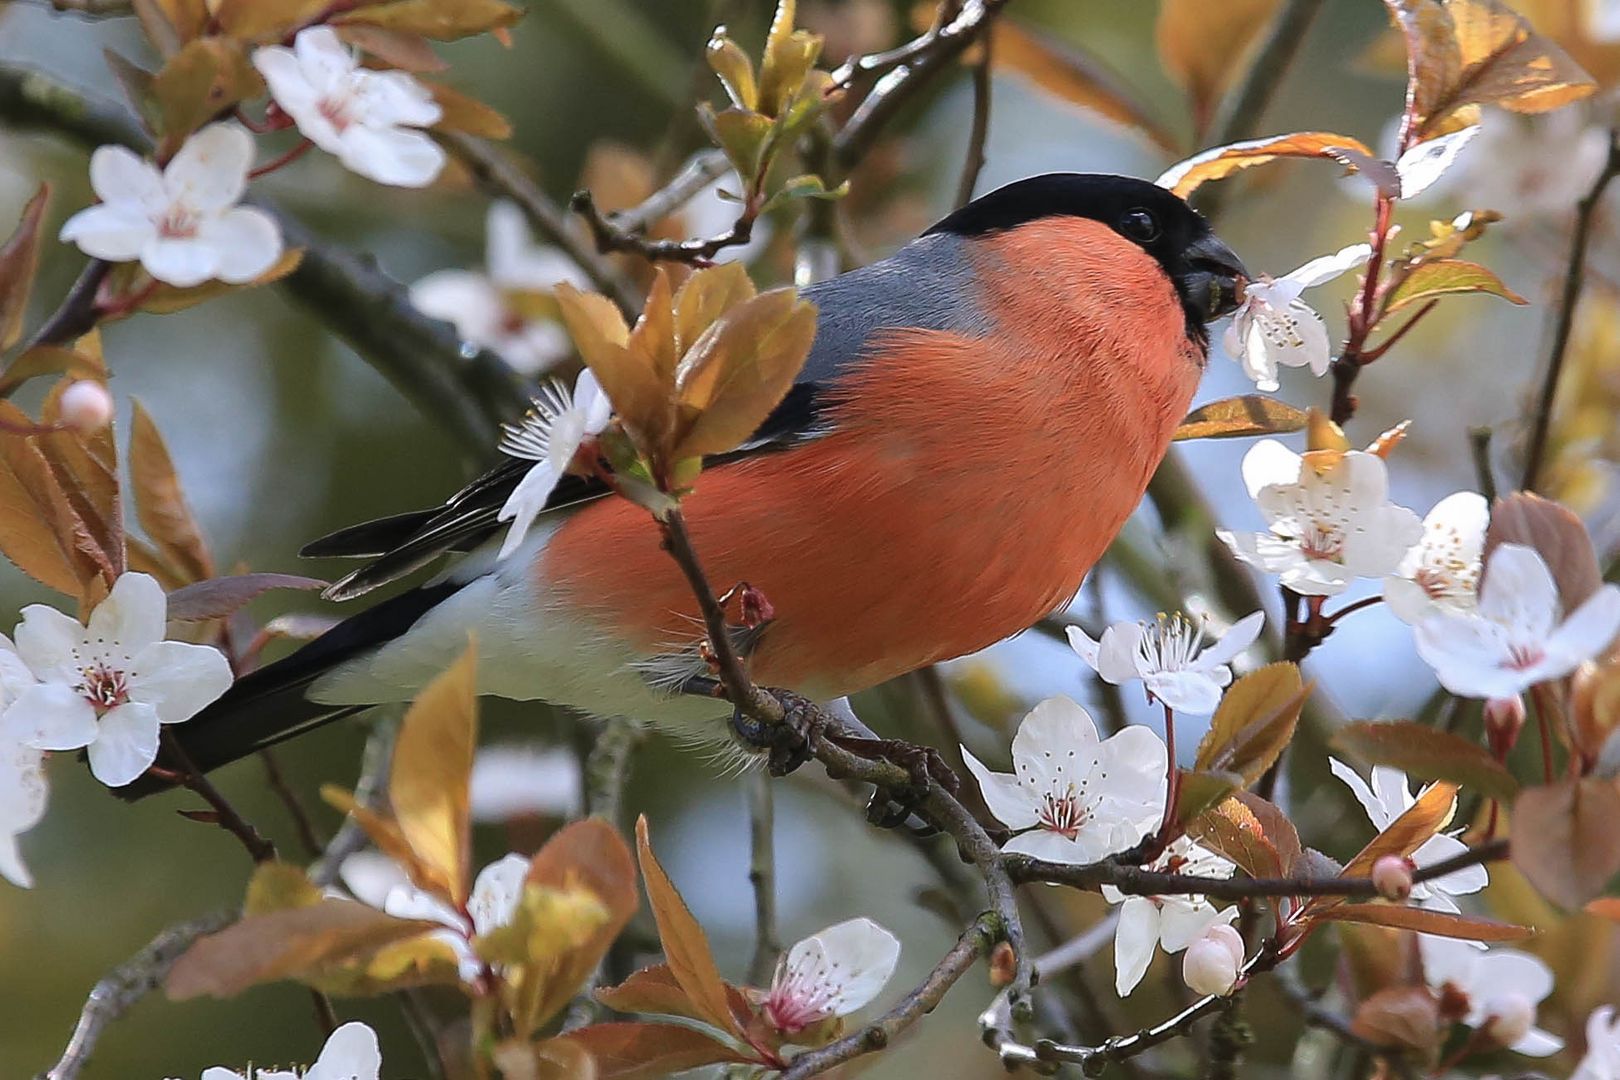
x=892 y=807
x=788 y=744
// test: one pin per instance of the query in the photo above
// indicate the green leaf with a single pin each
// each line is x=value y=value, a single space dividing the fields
x=1254 y=722
x=1428 y=755
x=735 y=70
x=442 y=20
x=202 y=80
x=1441 y=277
x=1241 y=416
x=742 y=135
x=804 y=187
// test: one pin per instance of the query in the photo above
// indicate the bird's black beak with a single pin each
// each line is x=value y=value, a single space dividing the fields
x=1212 y=283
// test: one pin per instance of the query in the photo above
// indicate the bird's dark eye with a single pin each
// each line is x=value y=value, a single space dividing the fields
x=1140 y=225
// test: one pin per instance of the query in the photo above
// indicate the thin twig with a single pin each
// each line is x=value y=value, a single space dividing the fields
x=225 y=815
x=607 y=769
x=118 y=991
x=979 y=133
x=296 y=810
x=1479 y=448
x=702 y=169
x=1319 y=1016
x=370 y=790
x=76 y=314
x=1574 y=281
x=762 y=876
x=610 y=235
x=496 y=173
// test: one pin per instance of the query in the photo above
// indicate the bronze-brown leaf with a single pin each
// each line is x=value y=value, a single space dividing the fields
x=1187 y=176
x=1567 y=838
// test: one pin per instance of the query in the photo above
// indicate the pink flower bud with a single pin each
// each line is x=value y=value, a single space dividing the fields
x=1510 y=1017
x=1209 y=965
x=1504 y=719
x=86 y=406
x=1227 y=935
x=1392 y=877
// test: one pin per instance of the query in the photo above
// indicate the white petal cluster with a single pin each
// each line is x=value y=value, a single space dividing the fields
x=1330 y=519
x=350 y=1053
x=1602 y=1060
x=1441 y=571
x=1074 y=797
x=1273 y=327
x=109 y=686
x=1170 y=657
x=553 y=432
x=368 y=120
x=1502 y=988
x=488 y=307
x=23 y=789
x=183 y=222
x=1147 y=923
x=832 y=973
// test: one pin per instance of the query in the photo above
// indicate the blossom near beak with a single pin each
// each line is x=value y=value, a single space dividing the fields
x=1212 y=283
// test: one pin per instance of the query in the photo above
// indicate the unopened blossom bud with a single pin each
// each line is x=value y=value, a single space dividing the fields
x=1211 y=964
x=1504 y=719
x=86 y=406
x=1003 y=965
x=1392 y=877
x=1511 y=1017
x=1227 y=935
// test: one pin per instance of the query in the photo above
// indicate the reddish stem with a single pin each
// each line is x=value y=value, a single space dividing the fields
x=1544 y=711
x=1172 y=786
x=298 y=150
x=1373 y=354
x=119 y=306
x=1350 y=609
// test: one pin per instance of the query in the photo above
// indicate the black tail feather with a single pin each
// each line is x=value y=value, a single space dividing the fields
x=269 y=705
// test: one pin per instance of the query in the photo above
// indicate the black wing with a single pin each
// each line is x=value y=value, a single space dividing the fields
x=920 y=287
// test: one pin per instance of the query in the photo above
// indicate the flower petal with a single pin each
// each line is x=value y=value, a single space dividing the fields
x=1056 y=730
x=390 y=98
x=11 y=864
x=390 y=155
x=1054 y=848
x=1327 y=267
x=370 y=876
x=1195 y=693
x=858 y=958
x=1470 y=654
x=1181 y=923
x=465 y=299
x=210 y=170
x=1005 y=797
x=1269 y=462
x=1240 y=636
x=120 y=176
x=350 y=1053
x=126 y=743
x=113 y=231
x=289 y=85
x=496 y=893
x=1117 y=654
x=178 y=679
x=179 y=262
x=48 y=643
x=51 y=716
x=1376 y=811
x=1135 y=937
x=246 y=243
x=1518 y=591
x=323 y=58
x=1510 y=968
x=525 y=503
x=133 y=614
x=1084 y=645
x=1588 y=631
x=591 y=402
x=1538 y=1043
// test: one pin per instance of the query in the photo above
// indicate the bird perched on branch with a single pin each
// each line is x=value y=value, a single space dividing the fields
x=979 y=415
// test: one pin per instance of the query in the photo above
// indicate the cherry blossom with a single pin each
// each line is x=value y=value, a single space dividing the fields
x=495 y=307
x=350 y=1053
x=1387 y=799
x=1499 y=990
x=1214 y=961
x=1169 y=656
x=1074 y=797
x=1330 y=518
x=22 y=774
x=550 y=435
x=1516 y=638
x=183 y=223
x=1602 y=1060
x=110 y=685
x=377 y=880
x=366 y=119
x=832 y=973
x=1441 y=571
x=1275 y=327
x=1173 y=922
x=517 y=781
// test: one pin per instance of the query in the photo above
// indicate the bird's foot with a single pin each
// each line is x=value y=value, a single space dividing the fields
x=789 y=743
x=891 y=807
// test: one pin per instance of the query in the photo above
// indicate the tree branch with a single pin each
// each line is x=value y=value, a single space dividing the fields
x=1574 y=282
x=762 y=876
x=979 y=133
x=128 y=983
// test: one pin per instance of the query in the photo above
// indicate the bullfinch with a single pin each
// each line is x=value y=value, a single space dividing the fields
x=980 y=413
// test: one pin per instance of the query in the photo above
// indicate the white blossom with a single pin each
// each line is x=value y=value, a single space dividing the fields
x=22 y=773
x=1273 y=326
x=1441 y=572
x=515 y=781
x=497 y=891
x=367 y=119
x=1501 y=987
x=714 y=210
x=350 y=1053
x=1602 y=1060
x=1073 y=797
x=183 y=223
x=494 y=307
x=1173 y=922
x=1516 y=638
x=86 y=405
x=832 y=973
x=1424 y=164
x=110 y=685
x=1330 y=519
x=550 y=436
x=1214 y=961
x=1169 y=656
x=1529 y=167
x=1387 y=799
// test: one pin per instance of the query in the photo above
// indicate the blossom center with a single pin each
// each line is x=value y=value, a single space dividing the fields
x=801 y=999
x=179 y=222
x=103 y=687
x=1171 y=643
x=1063 y=814
x=337 y=110
x=1524 y=657
x=1322 y=542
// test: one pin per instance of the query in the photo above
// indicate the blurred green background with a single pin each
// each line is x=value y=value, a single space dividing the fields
x=280 y=433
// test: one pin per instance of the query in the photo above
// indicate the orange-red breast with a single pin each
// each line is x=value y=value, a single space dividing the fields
x=980 y=413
